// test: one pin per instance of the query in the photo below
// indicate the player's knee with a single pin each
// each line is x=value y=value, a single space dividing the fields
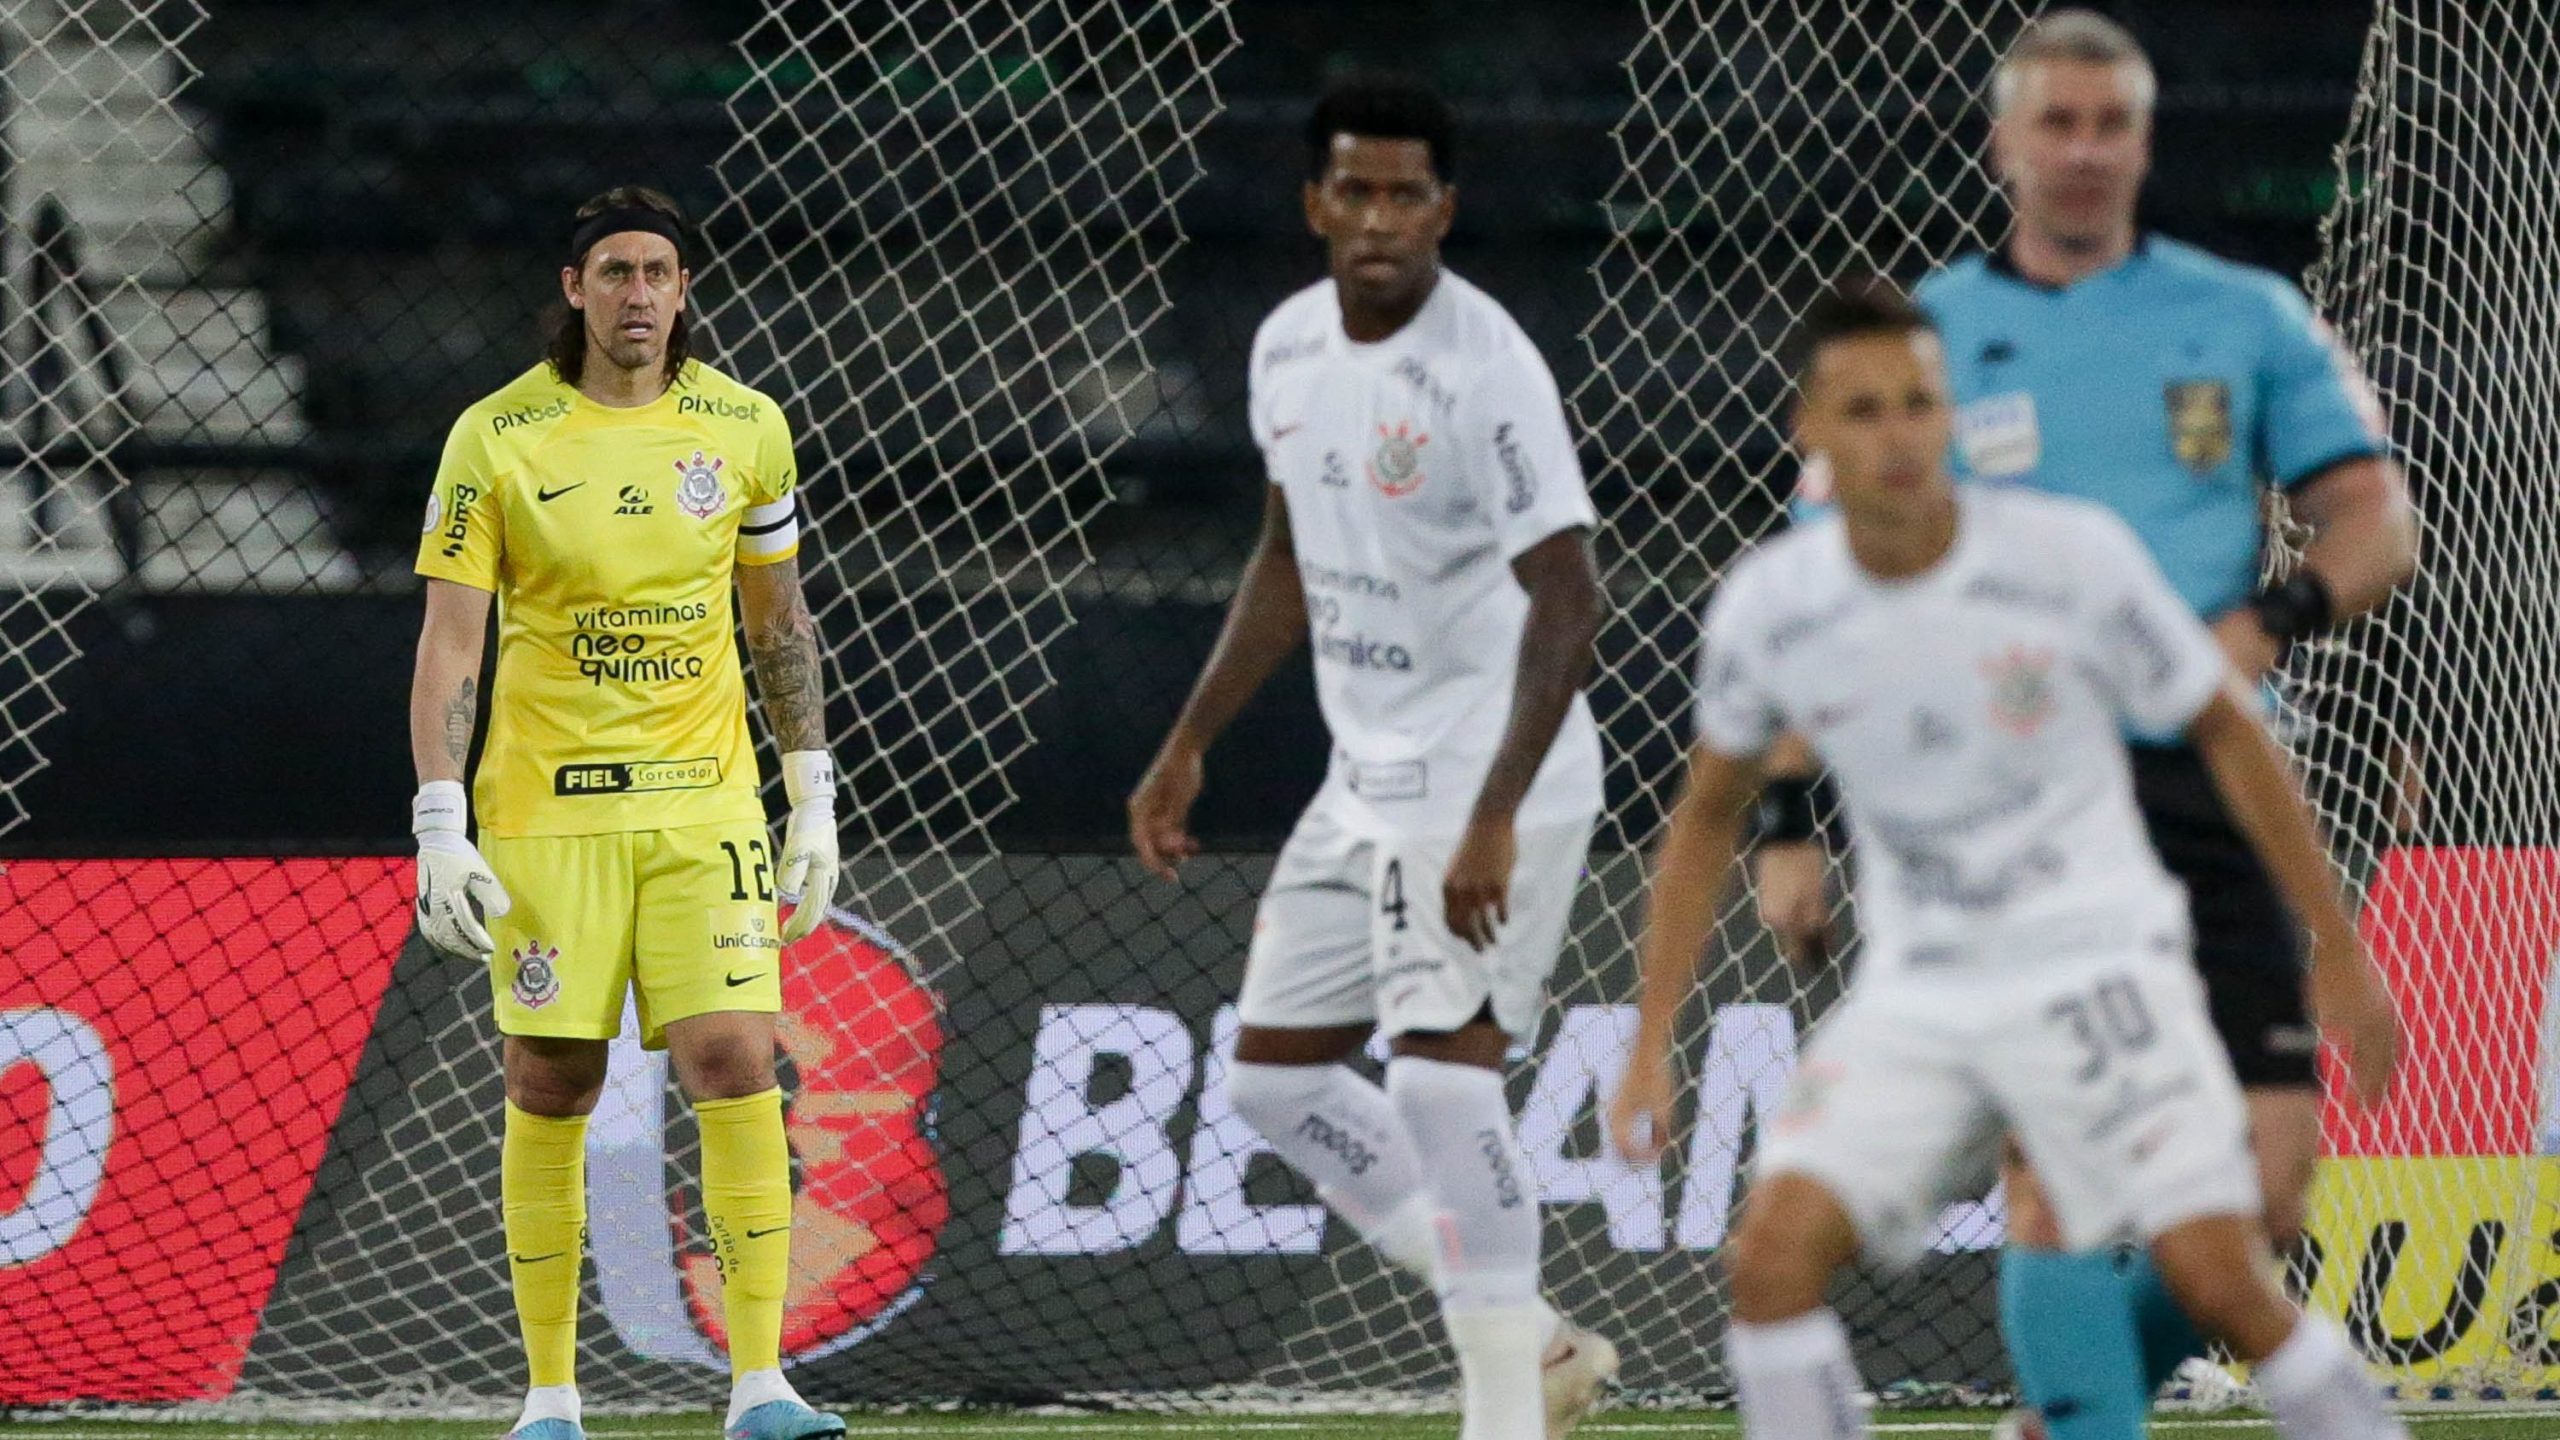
x=2216 y=1270
x=557 y=1078
x=1315 y=1045
x=1272 y=1098
x=725 y=1068
x=1791 y=1237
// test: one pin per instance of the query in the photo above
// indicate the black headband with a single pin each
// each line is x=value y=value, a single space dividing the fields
x=615 y=222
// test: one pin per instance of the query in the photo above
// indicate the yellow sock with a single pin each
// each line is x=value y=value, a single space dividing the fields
x=746 y=1195
x=542 y=1180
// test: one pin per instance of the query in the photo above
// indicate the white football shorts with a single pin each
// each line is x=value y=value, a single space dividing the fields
x=2108 y=1073
x=1352 y=929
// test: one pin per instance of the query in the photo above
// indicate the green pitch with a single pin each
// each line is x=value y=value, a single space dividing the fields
x=1624 y=1425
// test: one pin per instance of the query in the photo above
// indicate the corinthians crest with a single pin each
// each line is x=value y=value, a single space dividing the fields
x=698 y=490
x=2200 y=423
x=2022 y=695
x=537 y=974
x=1395 y=467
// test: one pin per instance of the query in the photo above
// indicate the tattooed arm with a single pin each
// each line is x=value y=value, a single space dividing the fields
x=782 y=641
x=457 y=891
x=444 y=694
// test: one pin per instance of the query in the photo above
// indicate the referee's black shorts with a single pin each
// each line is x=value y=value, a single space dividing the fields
x=2248 y=948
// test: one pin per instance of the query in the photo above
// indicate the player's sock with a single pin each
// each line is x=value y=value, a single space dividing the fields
x=1343 y=1133
x=550 y=1402
x=542 y=1189
x=2319 y=1390
x=1460 y=1122
x=756 y=1387
x=2069 y=1324
x=746 y=1195
x=1795 y=1378
x=2169 y=1339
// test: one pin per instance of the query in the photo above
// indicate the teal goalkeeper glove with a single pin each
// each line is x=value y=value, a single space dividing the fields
x=452 y=877
x=808 y=875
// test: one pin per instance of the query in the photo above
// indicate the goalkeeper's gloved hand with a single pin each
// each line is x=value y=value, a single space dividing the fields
x=451 y=875
x=808 y=875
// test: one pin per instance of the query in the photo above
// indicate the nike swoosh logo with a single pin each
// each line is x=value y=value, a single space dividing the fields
x=537 y=1259
x=547 y=496
x=743 y=979
x=760 y=1234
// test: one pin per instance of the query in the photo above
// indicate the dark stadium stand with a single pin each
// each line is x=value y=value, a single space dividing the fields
x=395 y=197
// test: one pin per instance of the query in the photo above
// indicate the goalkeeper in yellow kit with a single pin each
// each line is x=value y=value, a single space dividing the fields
x=608 y=499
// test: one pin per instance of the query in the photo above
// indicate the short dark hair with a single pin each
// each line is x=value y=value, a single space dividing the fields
x=1382 y=105
x=1862 y=306
x=566 y=346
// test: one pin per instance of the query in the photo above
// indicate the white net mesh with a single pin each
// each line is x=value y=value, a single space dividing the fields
x=957 y=220
x=76 y=78
x=943 y=236
x=2428 y=731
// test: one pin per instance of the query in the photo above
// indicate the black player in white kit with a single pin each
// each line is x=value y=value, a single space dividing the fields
x=1966 y=663
x=1427 y=527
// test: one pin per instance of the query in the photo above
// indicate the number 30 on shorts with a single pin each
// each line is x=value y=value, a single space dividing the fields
x=2110 y=1020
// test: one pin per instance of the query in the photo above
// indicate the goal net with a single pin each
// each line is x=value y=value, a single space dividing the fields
x=949 y=240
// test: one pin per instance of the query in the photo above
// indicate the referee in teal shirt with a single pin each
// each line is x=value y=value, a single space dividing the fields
x=2176 y=388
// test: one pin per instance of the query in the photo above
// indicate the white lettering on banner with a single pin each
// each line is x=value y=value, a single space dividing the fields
x=1751 y=1049
x=1061 y=1122
x=1216 y=1217
x=80 y=1122
x=1581 y=1071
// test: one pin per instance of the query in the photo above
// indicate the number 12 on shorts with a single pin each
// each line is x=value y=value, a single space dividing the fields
x=738 y=871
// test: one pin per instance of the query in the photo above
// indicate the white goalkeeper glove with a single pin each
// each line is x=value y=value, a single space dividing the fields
x=808 y=875
x=451 y=875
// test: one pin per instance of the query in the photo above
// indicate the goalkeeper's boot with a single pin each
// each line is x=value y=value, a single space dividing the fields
x=1575 y=1372
x=785 y=1420
x=548 y=1430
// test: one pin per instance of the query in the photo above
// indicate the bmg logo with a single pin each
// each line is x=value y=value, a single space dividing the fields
x=465 y=495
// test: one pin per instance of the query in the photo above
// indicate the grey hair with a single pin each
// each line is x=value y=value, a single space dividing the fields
x=2083 y=36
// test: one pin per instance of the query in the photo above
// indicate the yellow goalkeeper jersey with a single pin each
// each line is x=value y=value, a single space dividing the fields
x=609 y=537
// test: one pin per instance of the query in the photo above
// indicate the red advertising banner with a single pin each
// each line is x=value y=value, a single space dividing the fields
x=2466 y=937
x=176 y=1037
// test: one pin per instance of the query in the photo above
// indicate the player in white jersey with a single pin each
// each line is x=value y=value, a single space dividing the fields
x=1426 y=526
x=1965 y=664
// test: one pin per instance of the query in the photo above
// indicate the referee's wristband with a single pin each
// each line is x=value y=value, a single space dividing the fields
x=2296 y=610
x=809 y=778
x=1784 y=813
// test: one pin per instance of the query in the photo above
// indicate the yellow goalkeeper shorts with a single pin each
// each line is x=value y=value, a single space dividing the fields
x=685 y=915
